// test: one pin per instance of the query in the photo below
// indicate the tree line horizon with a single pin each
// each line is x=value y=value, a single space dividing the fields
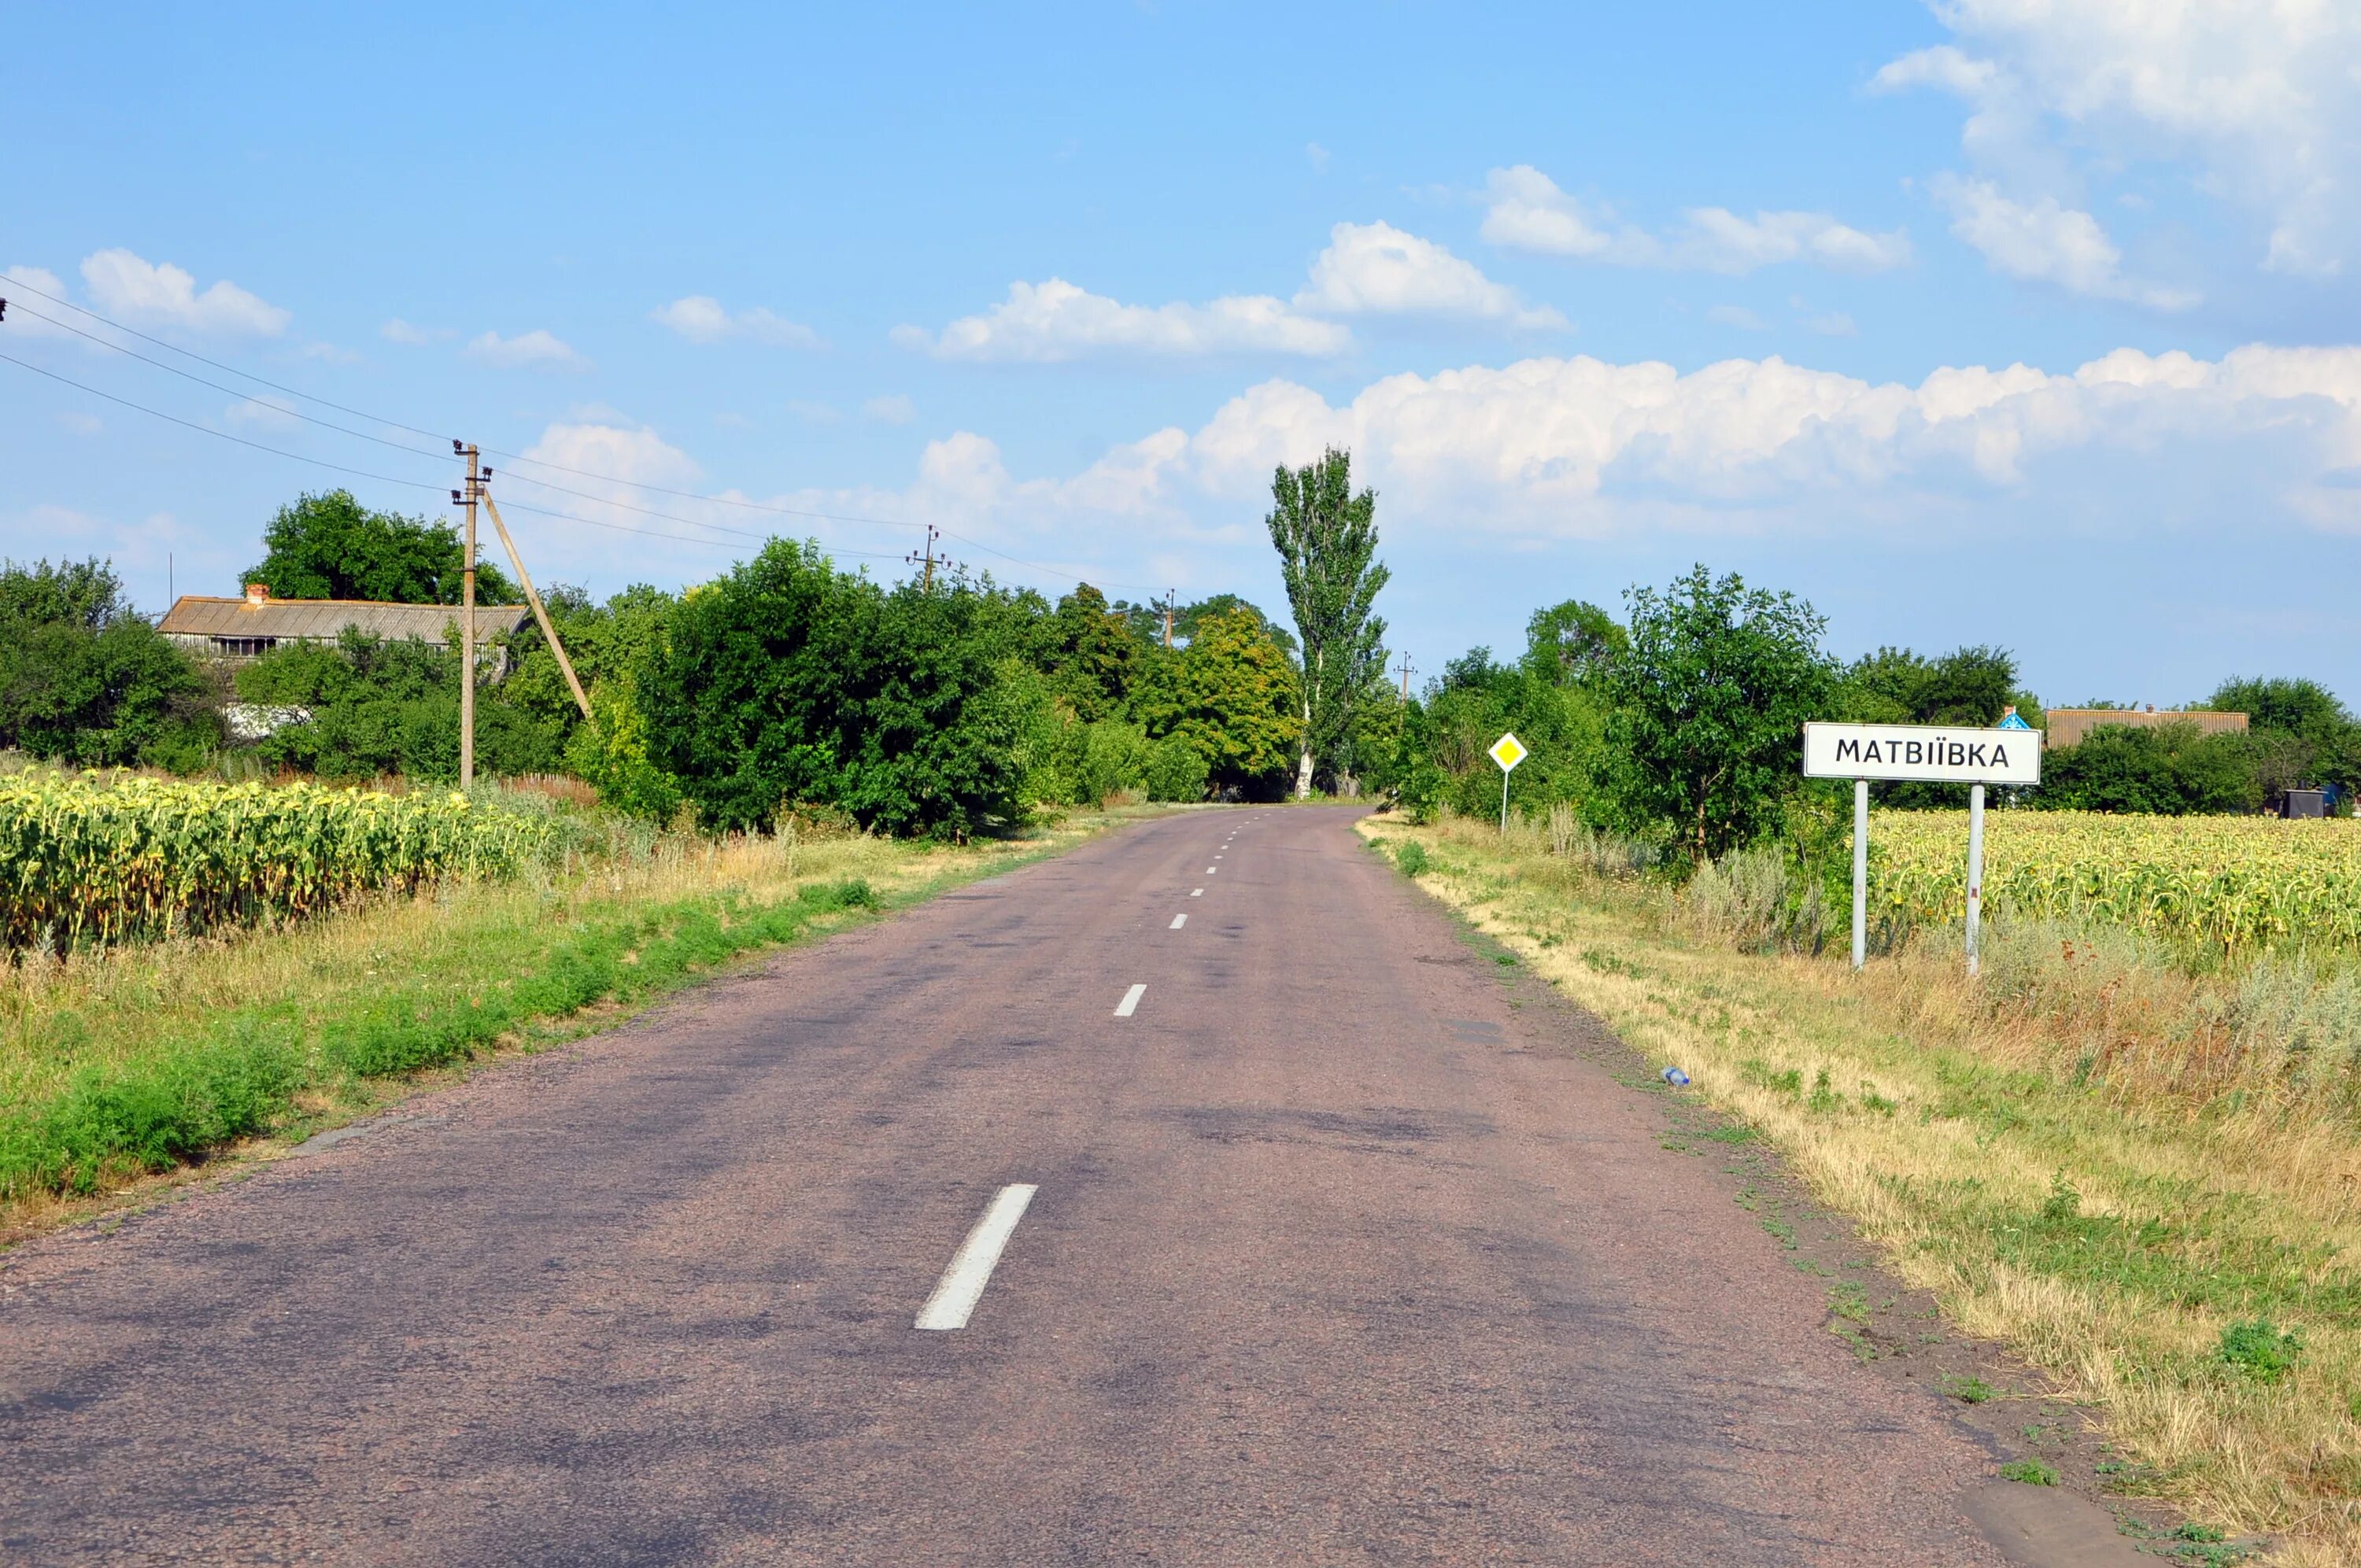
x=963 y=705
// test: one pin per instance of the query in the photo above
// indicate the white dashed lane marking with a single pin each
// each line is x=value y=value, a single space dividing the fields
x=971 y=1268
x=1130 y=1000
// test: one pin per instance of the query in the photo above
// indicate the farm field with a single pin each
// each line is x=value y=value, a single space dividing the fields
x=89 y=859
x=2138 y=1171
x=2236 y=883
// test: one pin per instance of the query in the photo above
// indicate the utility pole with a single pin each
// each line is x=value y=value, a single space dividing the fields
x=1168 y=617
x=467 y=613
x=928 y=559
x=1405 y=674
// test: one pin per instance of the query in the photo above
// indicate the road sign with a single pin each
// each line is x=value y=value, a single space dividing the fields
x=1933 y=752
x=1508 y=750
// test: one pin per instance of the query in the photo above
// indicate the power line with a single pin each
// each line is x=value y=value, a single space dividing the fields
x=432 y=435
x=233 y=391
x=223 y=435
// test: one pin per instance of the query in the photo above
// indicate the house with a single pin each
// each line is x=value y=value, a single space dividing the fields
x=2071 y=725
x=243 y=628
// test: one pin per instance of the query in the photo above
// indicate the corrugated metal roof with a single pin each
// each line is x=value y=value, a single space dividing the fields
x=195 y=615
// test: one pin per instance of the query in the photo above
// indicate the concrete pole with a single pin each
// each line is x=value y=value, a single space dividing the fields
x=467 y=631
x=1859 y=872
x=1975 y=869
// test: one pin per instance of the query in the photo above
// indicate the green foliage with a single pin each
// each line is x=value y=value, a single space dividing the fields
x=788 y=681
x=1233 y=696
x=2031 y=1472
x=331 y=547
x=2257 y=1350
x=1176 y=771
x=1711 y=699
x=1327 y=539
x=1474 y=703
x=1410 y=856
x=1573 y=644
x=85 y=680
x=1088 y=652
x=2171 y=770
x=1894 y=685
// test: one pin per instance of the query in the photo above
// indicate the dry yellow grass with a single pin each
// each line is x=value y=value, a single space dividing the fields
x=2079 y=1167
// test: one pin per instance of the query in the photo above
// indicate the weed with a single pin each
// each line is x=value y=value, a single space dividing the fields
x=1846 y=1300
x=2258 y=1350
x=2032 y=1472
x=1825 y=1099
x=1409 y=856
x=1968 y=1388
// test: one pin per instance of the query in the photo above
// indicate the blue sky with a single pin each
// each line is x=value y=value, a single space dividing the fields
x=1996 y=321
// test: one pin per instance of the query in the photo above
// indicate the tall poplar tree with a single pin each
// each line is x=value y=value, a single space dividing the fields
x=1327 y=542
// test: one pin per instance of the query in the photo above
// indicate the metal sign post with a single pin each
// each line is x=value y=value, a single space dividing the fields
x=1508 y=750
x=1930 y=753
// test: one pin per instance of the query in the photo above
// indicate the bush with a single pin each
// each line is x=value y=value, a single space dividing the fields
x=1176 y=771
x=1410 y=856
x=2258 y=1350
x=1760 y=899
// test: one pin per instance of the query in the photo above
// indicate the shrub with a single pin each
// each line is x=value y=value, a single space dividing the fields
x=2257 y=1350
x=1410 y=856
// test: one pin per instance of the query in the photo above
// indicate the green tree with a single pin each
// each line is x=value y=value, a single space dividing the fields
x=331 y=547
x=1233 y=696
x=787 y=681
x=85 y=679
x=1710 y=704
x=1089 y=654
x=2171 y=770
x=1572 y=643
x=1327 y=539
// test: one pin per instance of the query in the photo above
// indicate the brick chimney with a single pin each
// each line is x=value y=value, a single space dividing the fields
x=257 y=595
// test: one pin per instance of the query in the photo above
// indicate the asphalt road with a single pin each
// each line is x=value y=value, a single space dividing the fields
x=1335 y=1257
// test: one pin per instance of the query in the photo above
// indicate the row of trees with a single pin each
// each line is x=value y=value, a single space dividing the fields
x=1680 y=723
x=956 y=706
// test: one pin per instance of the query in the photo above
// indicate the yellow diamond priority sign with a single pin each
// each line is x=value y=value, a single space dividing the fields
x=1508 y=750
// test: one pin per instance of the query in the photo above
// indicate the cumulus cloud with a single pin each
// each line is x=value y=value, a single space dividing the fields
x=2260 y=103
x=894 y=408
x=1055 y=320
x=402 y=332
x=41 y=281
x=2043 y=241
x=539 y=349
x=1379 y=269
x=1738 y=316
x=1526 y=210
x=700 y=318
x=158 y=294
x=1560 y=446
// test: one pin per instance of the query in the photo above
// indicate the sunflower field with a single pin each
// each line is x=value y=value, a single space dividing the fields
x=87 y=860
x=2240 y=884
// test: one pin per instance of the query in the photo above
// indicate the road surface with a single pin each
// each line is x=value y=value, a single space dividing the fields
x=1333 y=1257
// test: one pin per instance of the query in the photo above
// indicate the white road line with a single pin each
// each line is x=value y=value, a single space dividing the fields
x=1178 y=921
x=1196 y=893
x=971 y=1266
x=1211 y=869
x=1123 y=1009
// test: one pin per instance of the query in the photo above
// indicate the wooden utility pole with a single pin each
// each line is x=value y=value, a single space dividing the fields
x=929 y=559
x=1168 y=617
x=467 y=614
x=1405 y=674
x=532 y=598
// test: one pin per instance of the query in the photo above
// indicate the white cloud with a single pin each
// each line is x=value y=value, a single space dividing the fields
x=1833 y=324
x=157 y=293
x=1379 y=269
x=22 y=322
x=1738 y=316
x=1054 y=320
x=402 y=332
x=700 y=318
x=2043 y=241
x=1525 y=210
x=894 y=408
x=1318 y=155
x=264 y=412
x=2260 y=101
x=1576 y=447
x=80 y=423
x=537 y=350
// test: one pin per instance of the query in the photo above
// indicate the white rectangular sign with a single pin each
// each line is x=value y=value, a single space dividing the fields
x=1934 y=752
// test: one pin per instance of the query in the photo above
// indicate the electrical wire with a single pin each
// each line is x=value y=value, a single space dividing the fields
x=233 y=391
x=432 y=436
